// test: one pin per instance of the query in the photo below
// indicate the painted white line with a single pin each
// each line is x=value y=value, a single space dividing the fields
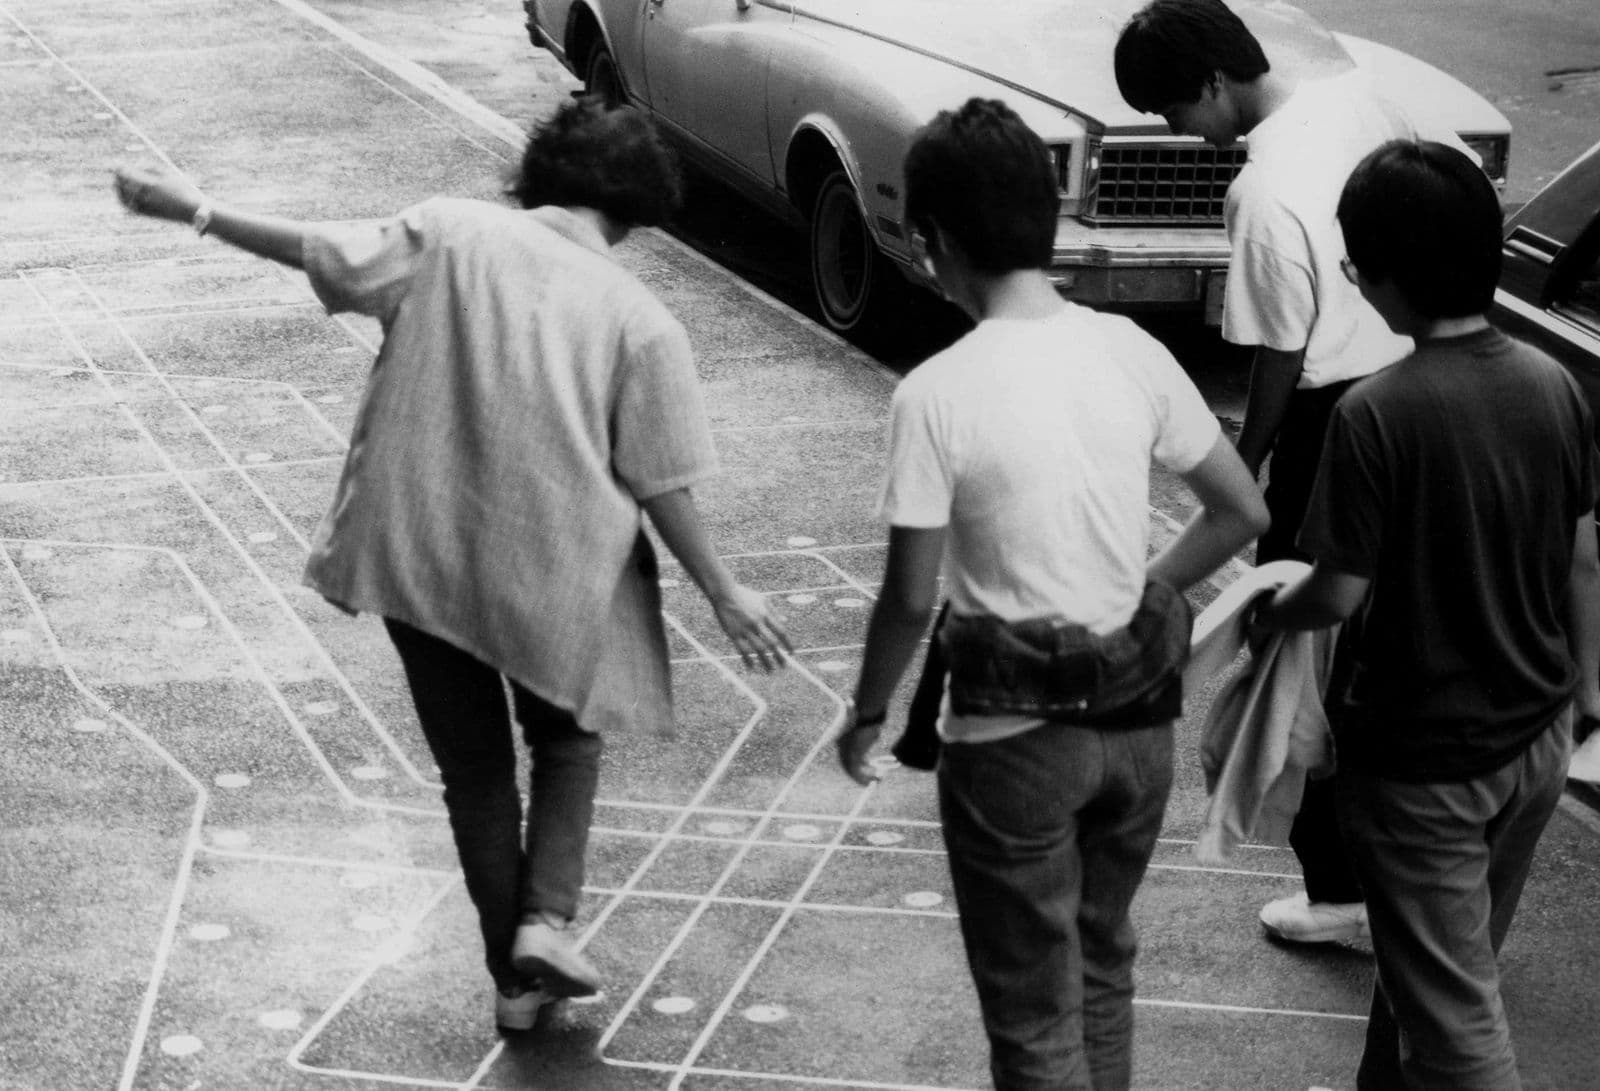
x=180 y=882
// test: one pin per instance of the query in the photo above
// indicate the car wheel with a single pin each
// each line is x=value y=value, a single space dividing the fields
x=847 y=271
x=601 y=78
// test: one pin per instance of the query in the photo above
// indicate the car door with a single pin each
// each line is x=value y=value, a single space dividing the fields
x=706 y=67
x=1550 y=284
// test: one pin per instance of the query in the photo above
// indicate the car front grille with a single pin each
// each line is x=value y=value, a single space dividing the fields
x=1161 y=182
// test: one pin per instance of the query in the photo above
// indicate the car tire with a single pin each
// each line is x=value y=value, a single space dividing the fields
x=602 y=78
x=848 y=273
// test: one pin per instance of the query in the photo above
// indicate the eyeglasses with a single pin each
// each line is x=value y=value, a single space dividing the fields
x=1348 y=268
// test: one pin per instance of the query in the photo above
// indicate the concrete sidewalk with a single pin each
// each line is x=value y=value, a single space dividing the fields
x=224 y=857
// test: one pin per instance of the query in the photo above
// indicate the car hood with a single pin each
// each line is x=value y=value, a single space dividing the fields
x=1060 y=50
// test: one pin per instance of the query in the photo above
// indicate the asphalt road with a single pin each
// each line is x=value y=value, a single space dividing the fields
x=224 y=861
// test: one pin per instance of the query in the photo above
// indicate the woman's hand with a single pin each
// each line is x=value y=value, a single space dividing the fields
x=754 y=627
x=166 y=195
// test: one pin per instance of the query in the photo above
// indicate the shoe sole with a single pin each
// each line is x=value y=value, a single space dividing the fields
x=558 y=981
x=1338 y=935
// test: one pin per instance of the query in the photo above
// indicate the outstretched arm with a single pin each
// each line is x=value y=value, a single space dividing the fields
x=745 y=615
x=1231 y=513
x=165 y=195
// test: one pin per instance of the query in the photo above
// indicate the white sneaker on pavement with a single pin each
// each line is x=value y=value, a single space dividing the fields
x=1298 y=919
x=1585 y=764
x=517 y=1008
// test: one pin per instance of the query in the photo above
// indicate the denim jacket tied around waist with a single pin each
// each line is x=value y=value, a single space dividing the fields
x=1060 y=671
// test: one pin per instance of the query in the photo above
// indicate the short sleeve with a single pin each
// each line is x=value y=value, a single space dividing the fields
x=1344 y=520
x=1270 y=299
x=365 y=268
x=918 y=488
x=661 y=438
x=1186 y=429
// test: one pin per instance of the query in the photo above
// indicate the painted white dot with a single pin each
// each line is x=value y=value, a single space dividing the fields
x=189 y=621
x=850 y=603
x=802 y=832
x=16 y=636
x=90 y=726
x=369 y=772
x=258 y=456
x=669 y=582
x=181 y=1045
x=35 y=553
x=320 y=708
x=331 y=399
x=766 y=1013
x=133 y=147
x=833 y=666
x=884 y=837
x=371 y=922
x=209 y=933
x=262 y=536
x=359 y=880
x=280 y=1020
x=723 y=829
x=63 y=372
x=233 y=780
x=673 y=1005
x=230 y=839
x=801 y=599
x=800 y=541
x=923 y=899
x=215 y=410
x=102 y=115
x=205 y=384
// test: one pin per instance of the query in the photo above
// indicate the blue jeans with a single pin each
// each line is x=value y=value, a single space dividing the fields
x=1049 y=834
x=461 y=704
x=1442 y=867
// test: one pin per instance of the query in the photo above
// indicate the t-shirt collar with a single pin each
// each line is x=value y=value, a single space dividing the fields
x=570 y=226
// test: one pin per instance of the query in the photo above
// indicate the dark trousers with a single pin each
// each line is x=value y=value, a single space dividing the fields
x=1048 y=835
x=1315 y=835
x=461 y=704
x=1443 y=866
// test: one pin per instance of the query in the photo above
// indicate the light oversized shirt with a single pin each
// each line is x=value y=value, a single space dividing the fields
x=1032 y=440
x=528 y=395
x=1285 y=288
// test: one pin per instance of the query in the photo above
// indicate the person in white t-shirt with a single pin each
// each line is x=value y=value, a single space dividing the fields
x=1019 y=461
x=1197 y=64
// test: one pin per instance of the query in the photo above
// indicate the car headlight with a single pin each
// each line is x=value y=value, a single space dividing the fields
x=1494 y=152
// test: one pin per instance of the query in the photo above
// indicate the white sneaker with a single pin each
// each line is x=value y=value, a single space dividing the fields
x=1298 y=919
x=1585 y=764
x=517 y=1008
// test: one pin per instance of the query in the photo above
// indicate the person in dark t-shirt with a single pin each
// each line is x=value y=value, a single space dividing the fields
x=1451 y=527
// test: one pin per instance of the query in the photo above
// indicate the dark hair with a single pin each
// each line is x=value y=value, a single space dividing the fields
x=1425 y=217
x=1171 y=48
x=612 y=160
x=989 y=183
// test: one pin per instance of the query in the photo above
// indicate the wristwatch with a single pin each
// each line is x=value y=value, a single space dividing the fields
x=861 y=721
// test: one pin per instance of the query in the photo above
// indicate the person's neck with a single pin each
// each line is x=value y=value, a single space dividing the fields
x=610 y=230
x=1262 y=97
x=1440 y=328
x=1019 y=294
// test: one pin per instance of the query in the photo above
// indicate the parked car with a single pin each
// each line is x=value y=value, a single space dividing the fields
x=808 y=107
x=1549 y=290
